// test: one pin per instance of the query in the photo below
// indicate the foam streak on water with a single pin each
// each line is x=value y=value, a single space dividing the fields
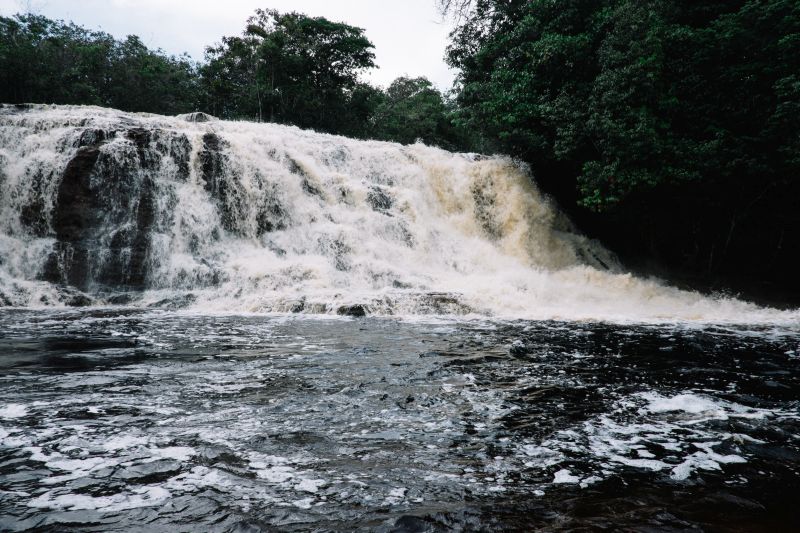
x=103 y=207
x=114 y=419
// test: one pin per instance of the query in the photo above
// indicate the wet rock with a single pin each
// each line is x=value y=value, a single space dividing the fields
x=485 y=207
x=141 y=138
x=198 y=116
x=34 y=214
x=222 y=183
x=121 y=299
x=211 y=160
x=379 y=200
x=177 y=302
x=271 y=215
x=93 y=137
x=297 y=306
x=308 y=183
x=128 y=259
x=413 y=524
x=176 y=147
x=140 y=249
x=443 y=303
x=75 y=200
x=79 y=300
x=341 y=254
x=519 y=349
x=74 y=216
x=357 y=310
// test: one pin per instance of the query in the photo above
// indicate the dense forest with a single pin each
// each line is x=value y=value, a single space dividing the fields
x=669 y=129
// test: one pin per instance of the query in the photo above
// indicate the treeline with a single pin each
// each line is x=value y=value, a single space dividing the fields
x=669 y=128
x=285 y=68
x=47 y=61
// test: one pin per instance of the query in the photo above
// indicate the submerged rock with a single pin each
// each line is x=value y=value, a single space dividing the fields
x=177 y=302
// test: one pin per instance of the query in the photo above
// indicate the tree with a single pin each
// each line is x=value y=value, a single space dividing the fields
x=412 y=109
x=289 y=68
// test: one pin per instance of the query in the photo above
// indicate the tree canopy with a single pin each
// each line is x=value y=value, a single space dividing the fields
x=288 y=68
x=633 y=94
x=48 y=61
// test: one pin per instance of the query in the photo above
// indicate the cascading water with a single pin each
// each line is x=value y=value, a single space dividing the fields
x=103 y=207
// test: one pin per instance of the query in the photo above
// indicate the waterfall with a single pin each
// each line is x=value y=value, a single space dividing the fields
x=101 y=207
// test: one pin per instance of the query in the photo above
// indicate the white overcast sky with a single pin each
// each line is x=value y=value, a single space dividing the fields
x=409 y=35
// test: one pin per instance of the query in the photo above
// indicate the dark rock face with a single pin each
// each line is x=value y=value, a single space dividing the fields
x=356 y=310
x=140 y=248
x=73 y=218
x=211 y=160
x=76 y=202
x=214 y=166
x=74 y=298
x=271 y=215
x=223 y=182
x=5 y=301
x=33 y=215
x=485 y=200
x=108 y=206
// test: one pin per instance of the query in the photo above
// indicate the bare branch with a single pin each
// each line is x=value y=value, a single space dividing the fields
x=457 y=10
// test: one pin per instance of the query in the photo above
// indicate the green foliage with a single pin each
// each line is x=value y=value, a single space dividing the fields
x=289 y=68
x=412 y=109
x=636 y=94
x=48 y=61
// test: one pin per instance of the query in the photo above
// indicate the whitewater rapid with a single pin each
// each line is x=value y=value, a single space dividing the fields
x=100 y=207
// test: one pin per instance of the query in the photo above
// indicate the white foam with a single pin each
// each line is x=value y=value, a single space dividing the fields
x=464 y=236
x=13 y=410
x=688 y=403
x=701 y=407
x=179 y=453
x=147 y=496
x=310 y=485
x=565 y=476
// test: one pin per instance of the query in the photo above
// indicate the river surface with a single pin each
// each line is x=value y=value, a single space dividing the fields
x=129 y=419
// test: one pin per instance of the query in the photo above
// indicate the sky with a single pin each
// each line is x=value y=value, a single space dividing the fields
x=409 y=35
